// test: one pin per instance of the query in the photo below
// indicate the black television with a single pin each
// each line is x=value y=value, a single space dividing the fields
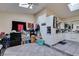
x=15 y=25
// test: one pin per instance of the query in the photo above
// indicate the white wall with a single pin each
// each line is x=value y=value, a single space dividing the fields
x=7 y=18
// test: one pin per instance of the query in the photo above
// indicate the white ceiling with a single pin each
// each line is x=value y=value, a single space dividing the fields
x=60 y=9
x=14 y=7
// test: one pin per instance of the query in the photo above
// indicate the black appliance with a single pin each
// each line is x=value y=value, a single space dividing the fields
x=15 y=25
x=15 y=39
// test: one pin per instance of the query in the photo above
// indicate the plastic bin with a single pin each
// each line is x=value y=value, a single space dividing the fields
x=40 y=42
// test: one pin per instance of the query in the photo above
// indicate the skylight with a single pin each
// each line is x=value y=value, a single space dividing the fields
x=26 y=5
x=73 y=6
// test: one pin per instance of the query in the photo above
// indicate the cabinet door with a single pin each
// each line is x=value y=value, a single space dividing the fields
x=75 y=37
x=59 y=37
x=70 y=36
x=66 y=36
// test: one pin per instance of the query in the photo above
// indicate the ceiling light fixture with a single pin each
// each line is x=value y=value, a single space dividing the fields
x=26 y=5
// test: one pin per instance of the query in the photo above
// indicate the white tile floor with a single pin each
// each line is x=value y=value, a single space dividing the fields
x=70 y=47
x=32 y=50
x=36 y=50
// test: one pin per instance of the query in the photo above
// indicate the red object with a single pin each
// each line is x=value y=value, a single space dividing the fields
x=20 y=27
x=2 y=34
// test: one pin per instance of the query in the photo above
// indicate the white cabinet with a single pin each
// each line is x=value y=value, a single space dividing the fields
x=50 y=38
x=59 y=37
x=71 y=36
x=66 y=36
x=75 y=37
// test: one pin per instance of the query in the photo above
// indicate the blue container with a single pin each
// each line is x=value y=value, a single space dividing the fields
x=40 y=42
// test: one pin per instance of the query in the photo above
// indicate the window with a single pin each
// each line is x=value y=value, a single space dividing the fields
x=73 y=6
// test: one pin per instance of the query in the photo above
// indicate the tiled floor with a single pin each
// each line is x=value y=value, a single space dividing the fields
x=70 y=47
x=32 y=50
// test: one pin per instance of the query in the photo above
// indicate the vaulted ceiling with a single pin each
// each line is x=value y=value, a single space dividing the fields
x=60 y=9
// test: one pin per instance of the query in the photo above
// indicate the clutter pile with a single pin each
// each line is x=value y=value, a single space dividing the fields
x=27 y=36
